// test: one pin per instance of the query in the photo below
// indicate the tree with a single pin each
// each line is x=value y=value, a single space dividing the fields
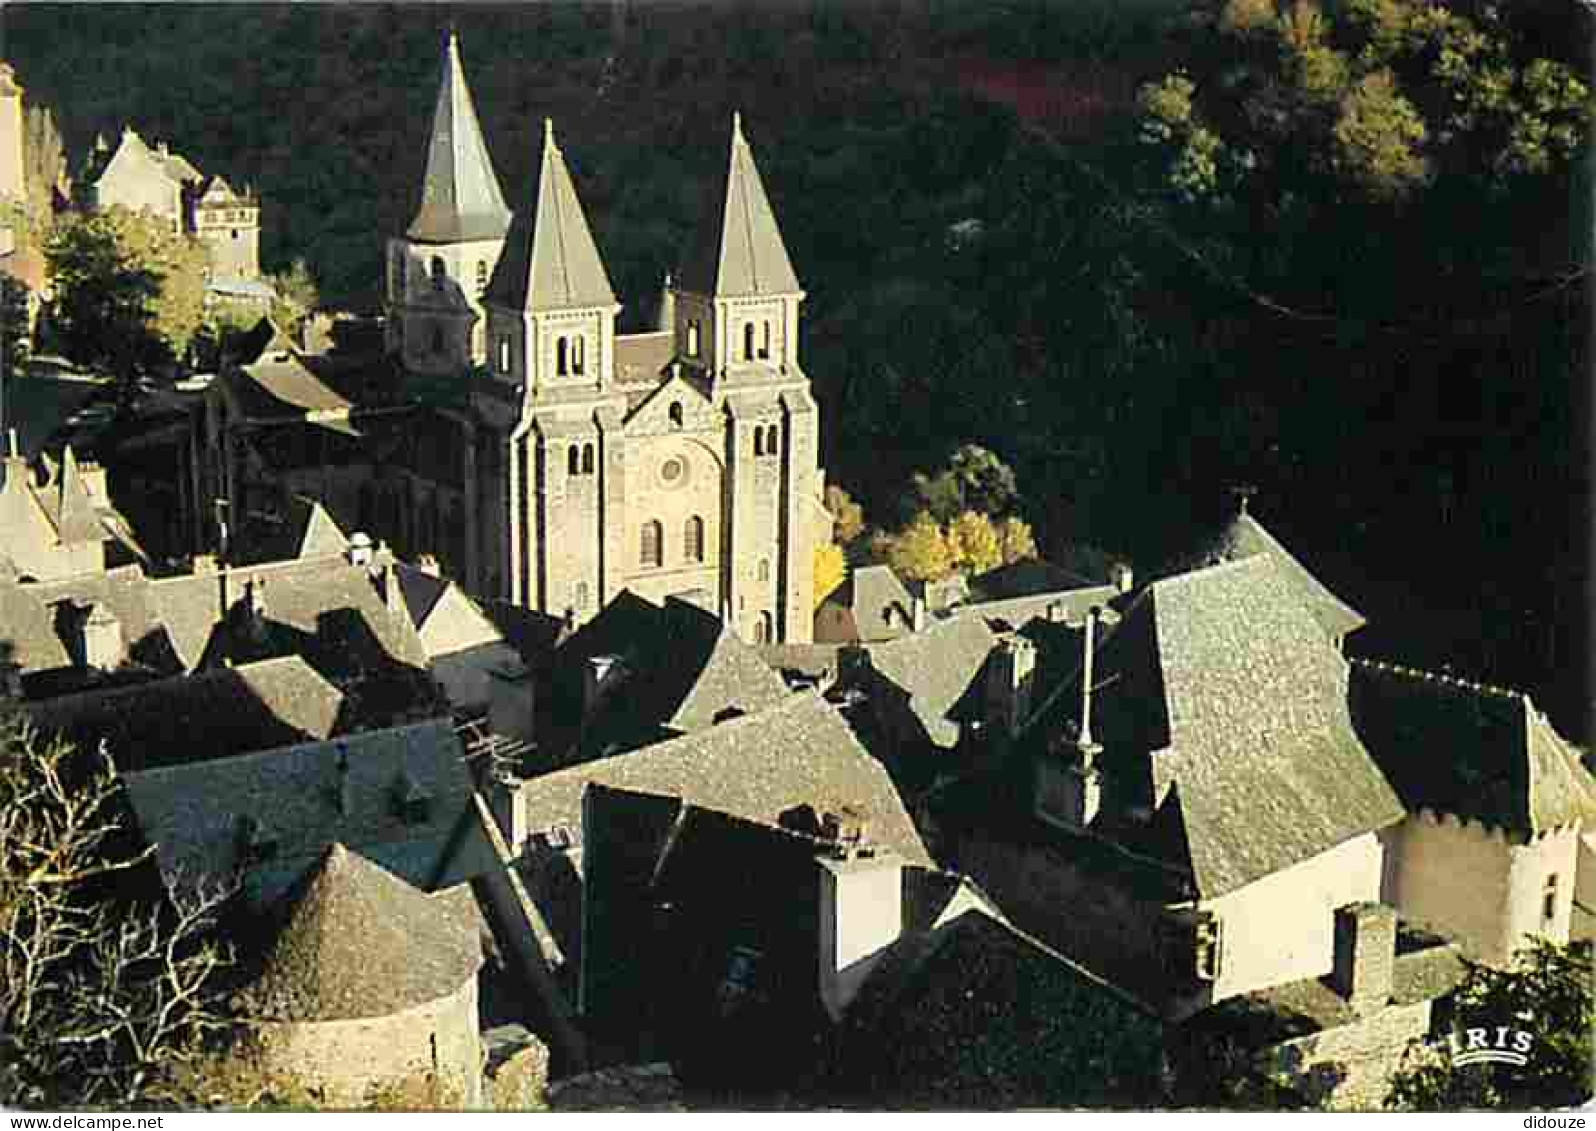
x=831 y=567
x=129 y=292
x=1015 y=540
x=100 y=999
x=974 y=543
x=296 y=296
x=974 y=479
x=1547 y=994
x=44 y=159
x=847 y=515
x=15 y=340
x=920 y=552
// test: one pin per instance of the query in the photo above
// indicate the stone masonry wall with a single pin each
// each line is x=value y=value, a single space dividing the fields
x=1350 y=1067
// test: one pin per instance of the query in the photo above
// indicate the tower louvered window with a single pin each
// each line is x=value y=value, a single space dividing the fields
x=764 y=345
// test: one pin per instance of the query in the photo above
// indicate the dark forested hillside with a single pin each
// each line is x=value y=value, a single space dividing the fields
x=991 y=256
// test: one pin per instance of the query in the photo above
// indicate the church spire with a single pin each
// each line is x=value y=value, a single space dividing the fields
x=460 y=196
x=738 y=250
x=550 y=261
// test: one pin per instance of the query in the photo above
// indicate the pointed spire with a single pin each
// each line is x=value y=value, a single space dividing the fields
x=77 y=520
x=460 y=195
x=738 y=250
x=550 y=261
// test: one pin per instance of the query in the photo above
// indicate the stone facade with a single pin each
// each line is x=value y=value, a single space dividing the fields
x=228 y=224
x=13 y=185
x=1349 y=1068
x=350 y=1063
x=1491 y=888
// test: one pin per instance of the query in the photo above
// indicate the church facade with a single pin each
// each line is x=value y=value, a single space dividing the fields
x=573 y=462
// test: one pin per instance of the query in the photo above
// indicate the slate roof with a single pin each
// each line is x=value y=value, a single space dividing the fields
x=549 y=260
x=305 y=798
x=1221 y=706
x=981 y=1015
x=126 y=591
x=737 y=249
x=1015 y=613
x=870 y=594
x=799 y=752
x=680 y=669
x=211 y=714
x=353 y=940
x=1243 y=537
x=1026 y=578
x=940 y=669
x=1483 y=753
x=460 y=195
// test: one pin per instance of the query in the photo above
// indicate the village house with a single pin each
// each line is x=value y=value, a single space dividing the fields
x=61 y=523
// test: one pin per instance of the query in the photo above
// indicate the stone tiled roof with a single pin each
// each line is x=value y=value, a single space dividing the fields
x=1243 y=537
x=1503 y=763
x=737 y=250
x=212 y=714
x=305 y=798
x=799 y=752
x=940 y=669
x=549 y=260
x=353 y=940
x=680 y=670
x=1221 y=706
x=126 y=592
x=1027 y=578
x=460 y=195
x=981 y=1015
x=286 y=384
x=1015 y=613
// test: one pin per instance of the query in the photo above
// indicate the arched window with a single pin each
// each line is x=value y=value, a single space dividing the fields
x=653 y=554
x=482 y=277
x=573 y=460
x=587 y=459
x=693 y=334
x=562 y=356
x=578 y=355
x=504 y=355
x=764 y=345
x=579 y=596
x=694 y=539
x=773 y=440
x=759 y=440
x=437 y=337
x=748 y=341
x=765 y=629
x=439 y=275
x=763 y=572
x=676 y=414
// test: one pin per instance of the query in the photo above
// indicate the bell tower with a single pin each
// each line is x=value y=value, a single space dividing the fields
x=438 y=271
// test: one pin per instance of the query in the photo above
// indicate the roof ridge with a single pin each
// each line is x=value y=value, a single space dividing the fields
x=1444 y=679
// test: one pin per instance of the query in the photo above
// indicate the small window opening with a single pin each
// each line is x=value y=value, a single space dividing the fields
x=676 y=414
x=587 y=459
x=1549 y=899
x=653 y=537
x=764 y=344
x=748 y=341
x=694 y=539
x=573 y=461
x=562 y=357
x=439 y=275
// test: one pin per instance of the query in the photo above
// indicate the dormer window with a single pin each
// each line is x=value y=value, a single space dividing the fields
x=412 y=801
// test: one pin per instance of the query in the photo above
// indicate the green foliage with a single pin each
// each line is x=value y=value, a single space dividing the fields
x=296 y=296
x=129 y=292
x=1548 y=994
x=975 y=479
x=1379 y=139
x=15 y=341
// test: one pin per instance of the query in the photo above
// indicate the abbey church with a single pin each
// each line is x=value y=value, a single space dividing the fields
x=544 y=459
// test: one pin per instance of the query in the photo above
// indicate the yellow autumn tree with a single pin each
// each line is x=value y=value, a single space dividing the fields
x=1015 y=539
x=974 y=542
x=847 y=516
x=831 y=567
x=920 y=552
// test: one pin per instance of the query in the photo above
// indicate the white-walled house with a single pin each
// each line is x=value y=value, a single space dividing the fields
x=1499 y=807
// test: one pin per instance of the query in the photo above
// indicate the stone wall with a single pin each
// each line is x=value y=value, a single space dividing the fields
x=1350 y=1067
x=353 y=1062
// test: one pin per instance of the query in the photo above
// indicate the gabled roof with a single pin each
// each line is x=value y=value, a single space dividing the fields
x=549 y=260
x=460 y=195
x=1244 y=536
x=880 y=604
x=134 y=158
x=304 y=798
x=799 y=752
x=737 y=250
x=71 y=506
x=1221 y=707
x=680 y=669
x=353 y=940
x=1469 y=750
x=212 y=714
x=939 y=669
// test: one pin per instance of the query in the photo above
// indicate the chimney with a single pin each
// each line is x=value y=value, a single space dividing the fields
x=1122 y=577
x=1365 y=952
x=861 y=915
x=917 y=611
x=510 y=699
x=1008 y=685
x=359 y=552
x=1069 y=785
x=100 y=638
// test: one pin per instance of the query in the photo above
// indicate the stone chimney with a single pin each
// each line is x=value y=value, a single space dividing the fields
x=1122 y=577
x=1365 y=953
x=1069 y=784
x=861 y=912
x=1008 y=685
x=360 y=549
x=510 y=699
x=100 y=639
